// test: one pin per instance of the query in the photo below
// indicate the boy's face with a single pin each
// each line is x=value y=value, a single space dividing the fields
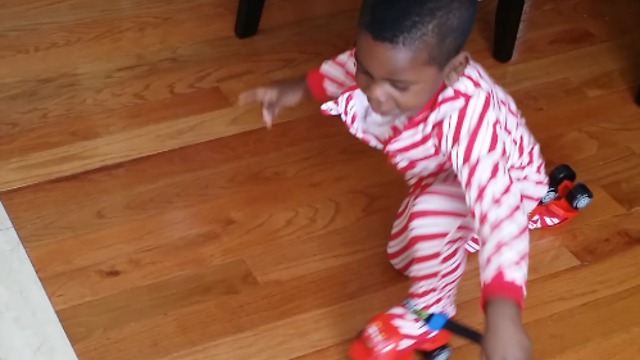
x=396 y=80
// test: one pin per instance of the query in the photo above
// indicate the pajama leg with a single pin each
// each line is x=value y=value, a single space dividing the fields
x=428 y=245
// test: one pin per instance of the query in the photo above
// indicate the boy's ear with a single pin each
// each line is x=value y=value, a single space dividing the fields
x=455 y=68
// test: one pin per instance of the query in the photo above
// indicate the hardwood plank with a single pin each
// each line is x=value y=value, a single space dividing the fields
x=550 y=120
x=309 y=219
x=613 y=18
x=626 y=192
x=183 y=290
x=554 y=293
x=18 y=13
x=130 y=78
x=336 y=351
x=605 y=237
x=622 y=129
x=620 y=167
x=323 y=167
x=277 y=13
x=105 y=27
x=86 y=155
x=580 y=62
x=306 y=254
x=547 y=96
x=619 y=345
x=99 y=33
x=553 y=30
x=217 y=156
x=163 y=254
x=321 y=328
x=218 y=318
x=547 y=28
x=27 y=139
x=118 y=71
x=614 y=80
x=595 y=162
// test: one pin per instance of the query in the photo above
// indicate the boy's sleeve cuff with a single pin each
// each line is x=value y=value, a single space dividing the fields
x=500 y=288
x=315 y=85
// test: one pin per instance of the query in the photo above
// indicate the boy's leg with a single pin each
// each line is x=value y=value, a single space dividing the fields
x=428 y=245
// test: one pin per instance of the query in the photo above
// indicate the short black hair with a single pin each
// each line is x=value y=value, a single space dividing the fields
x=443 y=26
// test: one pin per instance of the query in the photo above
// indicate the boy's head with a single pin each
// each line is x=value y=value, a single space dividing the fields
x=406 y=48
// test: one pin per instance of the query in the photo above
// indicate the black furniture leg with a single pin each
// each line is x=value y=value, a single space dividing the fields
x=248 y=17
x=507 y=23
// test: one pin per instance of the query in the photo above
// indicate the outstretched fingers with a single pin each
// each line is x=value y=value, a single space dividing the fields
x=268 y=98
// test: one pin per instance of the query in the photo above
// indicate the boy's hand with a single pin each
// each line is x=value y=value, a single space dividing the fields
x=505 y=337
x=275 y=96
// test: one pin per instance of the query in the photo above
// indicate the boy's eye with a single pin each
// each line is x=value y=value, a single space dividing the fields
x=400 y=86
x=362 y=71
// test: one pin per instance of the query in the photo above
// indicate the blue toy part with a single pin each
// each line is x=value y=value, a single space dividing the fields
x=437 y=321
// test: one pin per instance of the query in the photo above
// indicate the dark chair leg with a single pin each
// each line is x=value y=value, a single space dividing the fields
x=248 y=17
x=507 y=23
x=638 y=96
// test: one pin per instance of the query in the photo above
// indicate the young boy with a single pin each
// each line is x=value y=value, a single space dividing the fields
x=474 y=170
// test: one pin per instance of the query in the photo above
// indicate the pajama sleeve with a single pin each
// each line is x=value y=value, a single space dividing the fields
x=476 y=147
x=333 y=76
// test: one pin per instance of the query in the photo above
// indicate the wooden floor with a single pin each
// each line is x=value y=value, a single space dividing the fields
x=165 y=224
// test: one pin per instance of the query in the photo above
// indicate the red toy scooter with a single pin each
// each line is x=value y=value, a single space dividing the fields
x=380 y=339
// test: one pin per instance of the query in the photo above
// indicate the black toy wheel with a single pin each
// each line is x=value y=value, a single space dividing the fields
x=441 y=353
x=561 y=173
x=557 y=176
x=579 y=196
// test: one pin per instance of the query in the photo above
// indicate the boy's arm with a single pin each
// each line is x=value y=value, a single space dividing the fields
x=478 y=158
x=327 y=81
x=332 y=77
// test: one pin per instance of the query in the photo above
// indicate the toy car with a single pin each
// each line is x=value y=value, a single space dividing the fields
x=564 y=199
x=380 y=340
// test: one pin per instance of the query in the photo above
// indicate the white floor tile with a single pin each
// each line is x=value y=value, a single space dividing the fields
x=29 y=327
x=5 y=223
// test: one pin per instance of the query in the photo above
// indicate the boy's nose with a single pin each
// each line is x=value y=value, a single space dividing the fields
x=379 y=100
x=377 y=95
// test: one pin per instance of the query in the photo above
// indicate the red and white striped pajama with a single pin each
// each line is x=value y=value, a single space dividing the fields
x=474 y=173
